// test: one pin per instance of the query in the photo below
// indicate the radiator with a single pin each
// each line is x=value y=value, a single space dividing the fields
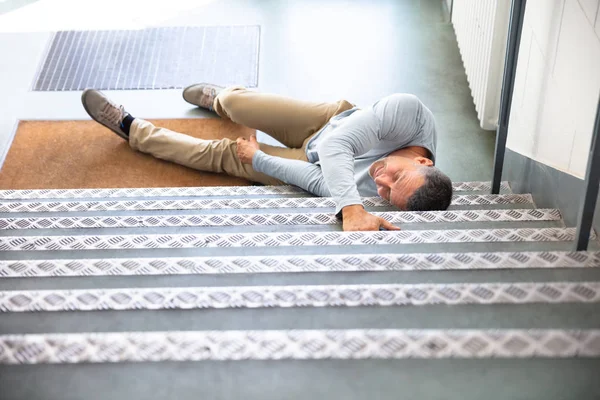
x=481 y=28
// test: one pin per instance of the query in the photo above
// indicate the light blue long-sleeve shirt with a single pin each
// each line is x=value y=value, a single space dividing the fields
x=340 y=154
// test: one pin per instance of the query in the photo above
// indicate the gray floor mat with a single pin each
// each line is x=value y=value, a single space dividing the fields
x=156 y=58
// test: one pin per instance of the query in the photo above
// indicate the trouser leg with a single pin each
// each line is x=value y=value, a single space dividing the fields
x=205 y=155
x=288 y=120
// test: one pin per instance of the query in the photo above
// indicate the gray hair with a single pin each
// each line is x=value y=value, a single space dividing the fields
x=434 y=194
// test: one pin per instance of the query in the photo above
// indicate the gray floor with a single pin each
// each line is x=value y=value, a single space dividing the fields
x=315 y=50
x=11 y=5
x=406 y=379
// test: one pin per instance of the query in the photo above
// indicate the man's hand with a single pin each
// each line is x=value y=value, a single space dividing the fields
x=357 y=219
x=246 y=149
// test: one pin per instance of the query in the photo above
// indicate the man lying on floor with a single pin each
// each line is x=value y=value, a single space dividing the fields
x=333 y=149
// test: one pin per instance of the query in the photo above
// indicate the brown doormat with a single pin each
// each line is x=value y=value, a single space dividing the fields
x=84 y=154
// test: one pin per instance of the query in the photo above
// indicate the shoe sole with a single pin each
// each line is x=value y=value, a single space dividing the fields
x=83 y=102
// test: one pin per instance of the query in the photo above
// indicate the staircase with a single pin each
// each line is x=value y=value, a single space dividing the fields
x=111 y=293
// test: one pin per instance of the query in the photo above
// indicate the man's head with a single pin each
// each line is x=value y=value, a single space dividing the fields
x=411 y=182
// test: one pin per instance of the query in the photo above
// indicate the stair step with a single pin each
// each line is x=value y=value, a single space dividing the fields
x=295 y=344
x=454 y=216
x=436 y=316
x=295 y=263
x=178 y=241
x=237 y=203
x=455 y=379
x=193 y=191
x=382 y=295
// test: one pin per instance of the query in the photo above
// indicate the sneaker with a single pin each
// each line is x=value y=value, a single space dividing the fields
x=202 y=94
x=104 y=111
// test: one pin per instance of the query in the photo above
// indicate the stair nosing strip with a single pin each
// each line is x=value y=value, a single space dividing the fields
x=192 y=191
x=282 y=239
x=70 y=348
x=288 y=296
x=151 y=221
x=297 y=264
x=235 y=203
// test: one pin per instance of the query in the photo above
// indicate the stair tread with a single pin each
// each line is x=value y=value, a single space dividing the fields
x=295 y=344
x=170 y=220
x=193 y=191
x=555 y=294
x=431 y=316
x=235 y=203
x=266 y=239
x=381 y=295
x=297 y=263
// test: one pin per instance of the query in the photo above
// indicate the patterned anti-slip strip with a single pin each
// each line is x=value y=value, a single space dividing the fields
x=105 y=242
x=294 y=263
x=236 y=203
x=273 y=219
x=298 y=296
x=296 y=344
x=194 y=191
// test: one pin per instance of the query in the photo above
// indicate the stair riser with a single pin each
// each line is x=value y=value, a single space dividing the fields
x=500 y=316
x=308 y=278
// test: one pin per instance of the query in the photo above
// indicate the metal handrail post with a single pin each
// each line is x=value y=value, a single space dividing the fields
x=517 y=14
x=592 y=180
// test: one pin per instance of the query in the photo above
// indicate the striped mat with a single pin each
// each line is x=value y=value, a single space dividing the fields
x=155 y=58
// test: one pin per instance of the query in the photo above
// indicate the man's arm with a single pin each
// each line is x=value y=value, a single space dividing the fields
x=294 y=172
x=303 y=174
x=360 y=132
x=392 y=119
x=308 y=177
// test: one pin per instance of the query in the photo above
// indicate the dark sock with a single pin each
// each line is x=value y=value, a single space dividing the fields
x=126 y=123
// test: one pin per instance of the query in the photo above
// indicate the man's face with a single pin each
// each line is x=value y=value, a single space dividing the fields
x=398 y=177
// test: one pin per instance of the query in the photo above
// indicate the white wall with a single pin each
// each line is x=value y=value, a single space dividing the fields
x=557 y=83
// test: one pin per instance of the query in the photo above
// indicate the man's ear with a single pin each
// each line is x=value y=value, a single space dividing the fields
x=424 y=161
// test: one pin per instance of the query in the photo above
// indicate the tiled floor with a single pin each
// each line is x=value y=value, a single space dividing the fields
x=313 y=50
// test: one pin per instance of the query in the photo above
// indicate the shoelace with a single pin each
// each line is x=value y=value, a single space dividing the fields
x=208 y=97
x=113 y=113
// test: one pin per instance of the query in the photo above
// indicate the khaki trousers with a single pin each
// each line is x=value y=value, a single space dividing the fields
x=291 y=122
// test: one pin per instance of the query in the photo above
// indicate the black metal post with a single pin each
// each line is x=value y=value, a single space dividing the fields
x=592 y=180
x=517 y=13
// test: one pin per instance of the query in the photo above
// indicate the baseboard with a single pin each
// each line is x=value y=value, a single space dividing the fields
x=549 y=187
